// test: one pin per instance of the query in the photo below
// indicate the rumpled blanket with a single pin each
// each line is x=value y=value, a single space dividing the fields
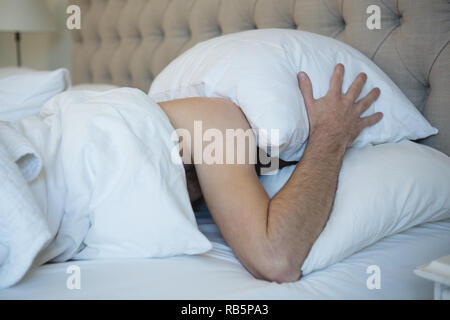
x=94 y=176
x=23 y=227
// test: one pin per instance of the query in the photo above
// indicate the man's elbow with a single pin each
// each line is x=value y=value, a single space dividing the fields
x=279 y=271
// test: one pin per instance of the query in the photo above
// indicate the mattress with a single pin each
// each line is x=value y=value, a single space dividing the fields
x=219 y=275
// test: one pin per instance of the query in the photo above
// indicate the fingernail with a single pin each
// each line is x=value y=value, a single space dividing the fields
x=302 y=76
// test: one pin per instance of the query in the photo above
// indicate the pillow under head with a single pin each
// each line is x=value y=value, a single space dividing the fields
x=382 y=190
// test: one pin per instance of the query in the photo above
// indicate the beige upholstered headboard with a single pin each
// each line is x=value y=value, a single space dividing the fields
x=128 y=42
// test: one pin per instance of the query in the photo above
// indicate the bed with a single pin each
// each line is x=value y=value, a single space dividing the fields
x=127 y=43
x=219 y=275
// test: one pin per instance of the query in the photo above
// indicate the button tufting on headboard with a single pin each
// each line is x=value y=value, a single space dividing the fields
x=129 y=42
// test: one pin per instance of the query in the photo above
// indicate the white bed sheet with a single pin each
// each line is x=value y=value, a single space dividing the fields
x=218 y=275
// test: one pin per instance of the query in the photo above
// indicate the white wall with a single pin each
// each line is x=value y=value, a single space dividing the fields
x=43 y=51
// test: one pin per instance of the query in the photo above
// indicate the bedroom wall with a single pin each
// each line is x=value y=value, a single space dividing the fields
x=43 y=51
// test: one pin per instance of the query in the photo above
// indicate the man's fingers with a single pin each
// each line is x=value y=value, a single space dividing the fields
x=368 y=100
x=305 y=85
x=371 y=120
x=337 y=79
x=355 y=89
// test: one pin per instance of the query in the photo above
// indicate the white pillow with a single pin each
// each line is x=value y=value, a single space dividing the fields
x=99 y=87
x=23 y=91
x=382 y=190
x=257 y=71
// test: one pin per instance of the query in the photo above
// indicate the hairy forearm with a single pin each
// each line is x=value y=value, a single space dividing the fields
x=299 y=212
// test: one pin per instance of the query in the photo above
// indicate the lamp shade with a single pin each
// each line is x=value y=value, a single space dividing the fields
x=25 y=16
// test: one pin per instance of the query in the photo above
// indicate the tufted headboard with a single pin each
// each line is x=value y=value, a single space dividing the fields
x=128 y=42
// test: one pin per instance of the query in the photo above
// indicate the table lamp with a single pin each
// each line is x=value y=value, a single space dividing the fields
x=24 y=16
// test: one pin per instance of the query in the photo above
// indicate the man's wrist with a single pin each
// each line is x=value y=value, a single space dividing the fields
x=328 y=142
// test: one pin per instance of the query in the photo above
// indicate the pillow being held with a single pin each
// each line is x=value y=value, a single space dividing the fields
x=257 y=71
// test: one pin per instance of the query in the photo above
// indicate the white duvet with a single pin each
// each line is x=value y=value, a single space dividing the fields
x=108 y=187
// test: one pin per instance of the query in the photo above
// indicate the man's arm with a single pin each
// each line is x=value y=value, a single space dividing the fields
x=301 y=209
x=272 y=238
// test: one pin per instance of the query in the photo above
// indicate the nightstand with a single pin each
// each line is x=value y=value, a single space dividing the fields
x=437 y=271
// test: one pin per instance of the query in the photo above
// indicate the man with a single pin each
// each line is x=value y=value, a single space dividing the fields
x=272 y=237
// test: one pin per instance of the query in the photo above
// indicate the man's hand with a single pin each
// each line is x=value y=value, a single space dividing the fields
x=338 y=115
